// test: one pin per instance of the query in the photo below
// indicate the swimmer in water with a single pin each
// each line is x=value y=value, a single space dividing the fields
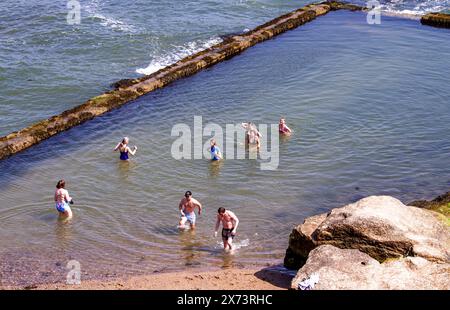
x=62 y=200
x=124 y=149
x=215 y=151
x=253 y=136
x=283 y=128
x=230 y=223
x=187 y=209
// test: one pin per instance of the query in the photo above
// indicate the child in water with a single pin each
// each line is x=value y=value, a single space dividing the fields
x=215 y=151
x=62 y=200
x=124 y=149
x=283 y=128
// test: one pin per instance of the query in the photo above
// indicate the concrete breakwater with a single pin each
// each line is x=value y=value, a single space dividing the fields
x=127 y=90
x=441 y=20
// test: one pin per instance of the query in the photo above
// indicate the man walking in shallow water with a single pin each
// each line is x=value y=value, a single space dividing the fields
x=230 y=223
x=187 y=209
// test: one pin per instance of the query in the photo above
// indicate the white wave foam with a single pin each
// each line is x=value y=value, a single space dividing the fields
x=414 y=8
x=113 y=23
x=178 y=53
x=236 y=245
x=92 y=9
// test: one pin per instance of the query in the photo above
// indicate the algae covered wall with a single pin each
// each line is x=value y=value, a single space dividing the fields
x=127 y=90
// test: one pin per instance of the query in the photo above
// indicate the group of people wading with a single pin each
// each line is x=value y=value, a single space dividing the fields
x=188 y=204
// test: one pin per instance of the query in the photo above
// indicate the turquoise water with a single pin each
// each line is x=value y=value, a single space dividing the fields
x=369 y=108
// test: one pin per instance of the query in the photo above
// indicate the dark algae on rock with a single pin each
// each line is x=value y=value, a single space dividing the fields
x=440 y=204
x=441 y=20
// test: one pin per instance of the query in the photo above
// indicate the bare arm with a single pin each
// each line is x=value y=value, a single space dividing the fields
x=245 y=126
x=199 y=205
x=117 y=146
x=219 y=154
x=132 y=152
x=180 y=206
x=67 y=196
x=235 y=219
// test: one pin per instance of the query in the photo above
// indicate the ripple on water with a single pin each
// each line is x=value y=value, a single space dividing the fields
x=361 y=128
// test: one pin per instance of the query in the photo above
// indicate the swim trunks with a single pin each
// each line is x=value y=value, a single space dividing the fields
x=227 y=233
x=62 y=207
x=190 y=217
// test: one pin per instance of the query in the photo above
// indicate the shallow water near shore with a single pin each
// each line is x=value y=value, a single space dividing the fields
x=368 y=105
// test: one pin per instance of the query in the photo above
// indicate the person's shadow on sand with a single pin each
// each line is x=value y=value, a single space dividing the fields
x=276 y=277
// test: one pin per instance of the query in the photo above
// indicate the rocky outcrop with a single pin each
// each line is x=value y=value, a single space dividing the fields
x=301 y=242
x=380 y=226
x=436 y=19
x=129 y=89
x=372 y=240
x=440 y=204
x=351 y=269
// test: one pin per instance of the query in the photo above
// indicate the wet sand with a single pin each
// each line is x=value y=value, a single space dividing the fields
x=224 y=279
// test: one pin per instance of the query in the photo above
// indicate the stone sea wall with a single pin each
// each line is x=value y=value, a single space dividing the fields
x=127 y=90
x=441 y=20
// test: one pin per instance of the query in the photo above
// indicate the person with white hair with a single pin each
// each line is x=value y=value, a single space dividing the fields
x=253 y=135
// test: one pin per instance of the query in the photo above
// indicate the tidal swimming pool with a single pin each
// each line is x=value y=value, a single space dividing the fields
x=369 y=107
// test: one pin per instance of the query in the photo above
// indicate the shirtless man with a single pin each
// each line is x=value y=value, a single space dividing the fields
x=230 y=223
x=187 y=208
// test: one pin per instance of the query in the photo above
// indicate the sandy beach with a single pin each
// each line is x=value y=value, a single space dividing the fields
x=224 y=279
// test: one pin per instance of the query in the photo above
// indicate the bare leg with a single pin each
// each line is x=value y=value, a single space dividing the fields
x=230 y=242
x=225 y=243
x=182 y=221
x=67 y=214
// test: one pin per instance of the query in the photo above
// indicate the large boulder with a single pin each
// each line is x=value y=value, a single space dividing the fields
x=301 y=243
x=351 y=269
x=384 y=227
x=380 y=226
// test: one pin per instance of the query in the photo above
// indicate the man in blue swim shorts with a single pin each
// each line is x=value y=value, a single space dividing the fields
x=187 y=209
